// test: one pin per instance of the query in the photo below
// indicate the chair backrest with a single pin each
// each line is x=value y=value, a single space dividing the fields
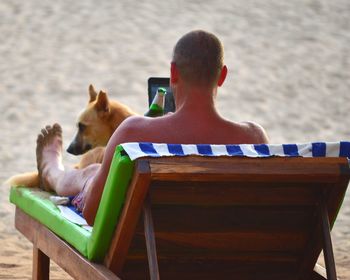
x=218 y=217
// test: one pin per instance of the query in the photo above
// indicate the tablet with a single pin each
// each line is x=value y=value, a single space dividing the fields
x=153 y=84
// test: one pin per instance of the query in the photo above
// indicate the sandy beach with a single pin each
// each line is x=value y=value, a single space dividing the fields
x=289 y=70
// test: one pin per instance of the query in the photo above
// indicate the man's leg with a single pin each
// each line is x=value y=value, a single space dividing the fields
x=52 y=174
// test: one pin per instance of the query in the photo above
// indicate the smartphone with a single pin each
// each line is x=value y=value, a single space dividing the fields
x=153 y=84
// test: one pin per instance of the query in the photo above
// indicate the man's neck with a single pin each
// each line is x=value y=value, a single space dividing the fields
x=200 y=100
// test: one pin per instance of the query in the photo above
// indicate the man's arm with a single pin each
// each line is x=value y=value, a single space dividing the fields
x=124 y=133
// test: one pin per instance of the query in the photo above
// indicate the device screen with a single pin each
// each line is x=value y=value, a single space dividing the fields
x=153 y=84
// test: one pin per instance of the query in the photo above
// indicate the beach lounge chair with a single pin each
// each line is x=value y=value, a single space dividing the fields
x=200 y=217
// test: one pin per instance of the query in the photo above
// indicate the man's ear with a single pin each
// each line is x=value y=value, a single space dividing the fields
x=102 y=104
x=174 y=73
x=222 y=76
x=92 y=93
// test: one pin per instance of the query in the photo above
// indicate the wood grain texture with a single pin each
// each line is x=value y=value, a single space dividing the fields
x=41 y=265
x=59 y=251
x=214 y=218
x=129 y=217
x=150 y=240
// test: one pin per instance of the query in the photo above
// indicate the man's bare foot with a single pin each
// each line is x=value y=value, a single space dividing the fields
x=49 y=156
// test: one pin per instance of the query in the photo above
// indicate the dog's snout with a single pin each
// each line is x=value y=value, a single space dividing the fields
x=72 y=149
x=76 y=149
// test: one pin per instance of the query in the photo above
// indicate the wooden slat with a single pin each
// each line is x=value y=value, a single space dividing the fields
x=136 y=267
x=235 y=241
x=233 y=193
x=180 y=218
x=188 y=256
x=327 y=242
x=173 y=250
x=248 y=169
x=150 y=240
x=137 y=191
x=177 y=269
x=41 y=265
x=58 y=250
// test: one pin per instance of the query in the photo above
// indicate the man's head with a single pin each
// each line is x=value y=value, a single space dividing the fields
x=198 y=57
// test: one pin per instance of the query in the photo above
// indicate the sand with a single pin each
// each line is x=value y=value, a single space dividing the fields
x=289 y=70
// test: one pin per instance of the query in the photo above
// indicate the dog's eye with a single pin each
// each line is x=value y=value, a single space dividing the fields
x=81 y=126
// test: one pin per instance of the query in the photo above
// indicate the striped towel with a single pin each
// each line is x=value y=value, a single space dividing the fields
x=316 y=149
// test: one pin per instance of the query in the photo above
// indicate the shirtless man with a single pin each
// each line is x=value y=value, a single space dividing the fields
x=196 y=72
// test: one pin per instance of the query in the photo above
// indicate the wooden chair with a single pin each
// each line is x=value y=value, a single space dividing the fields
x=213 y=218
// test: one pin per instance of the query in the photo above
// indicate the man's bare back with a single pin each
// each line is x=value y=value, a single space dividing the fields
x=194 y=128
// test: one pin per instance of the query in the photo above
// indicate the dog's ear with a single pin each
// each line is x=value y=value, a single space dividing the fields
x=92 y=93
x=102 y=104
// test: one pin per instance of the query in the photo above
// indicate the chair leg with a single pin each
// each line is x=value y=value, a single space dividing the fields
x=327 y=244
x=41 y=265
x=150 y=240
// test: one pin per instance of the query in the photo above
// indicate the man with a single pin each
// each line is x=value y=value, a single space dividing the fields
x=196 y=72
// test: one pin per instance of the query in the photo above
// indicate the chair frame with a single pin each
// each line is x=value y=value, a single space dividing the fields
x=332 y=174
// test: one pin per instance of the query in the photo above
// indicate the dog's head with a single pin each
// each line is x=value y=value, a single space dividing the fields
x=93 y=124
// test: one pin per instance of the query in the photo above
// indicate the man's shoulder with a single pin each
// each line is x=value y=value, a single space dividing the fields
x=133 y=123
x=135 y=128
x=251 y=125
x=256 y=130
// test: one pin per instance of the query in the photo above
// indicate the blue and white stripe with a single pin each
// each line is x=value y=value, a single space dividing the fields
x=316 y=149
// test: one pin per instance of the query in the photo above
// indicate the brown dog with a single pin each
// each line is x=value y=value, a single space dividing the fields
x=96 y=124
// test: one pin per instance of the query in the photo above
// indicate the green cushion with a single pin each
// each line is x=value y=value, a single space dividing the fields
x=118 y=180
x=37 y=204
x=92 y=245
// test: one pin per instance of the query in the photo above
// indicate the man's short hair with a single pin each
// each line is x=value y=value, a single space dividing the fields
x=198 y=56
